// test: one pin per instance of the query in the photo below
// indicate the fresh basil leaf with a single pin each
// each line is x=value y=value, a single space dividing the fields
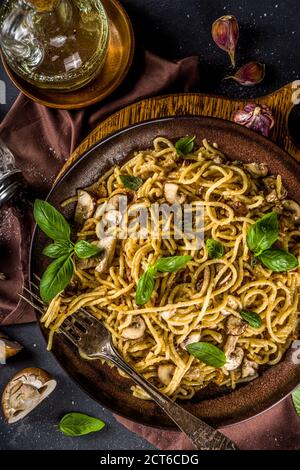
x=56 y=277
x=207 y=353
x=57 y=249
x=278 y=260
x=79 y=424
x=263 y=233
x=50 y=221
x=215 y=248
x=185 y=145
x=84 y=249
x=145 y=287
x=252 y=318
x=131 y=182
x=171 y=264
x=296 y=400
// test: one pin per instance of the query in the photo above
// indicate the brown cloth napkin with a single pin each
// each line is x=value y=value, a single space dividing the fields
x=42 y=140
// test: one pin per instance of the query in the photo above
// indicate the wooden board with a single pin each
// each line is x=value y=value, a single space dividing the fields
x=195 y=104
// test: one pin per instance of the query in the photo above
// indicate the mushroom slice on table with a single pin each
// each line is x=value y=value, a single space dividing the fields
x=135 y=330
x=8 y=348
x=25 y=391
x=85 y=206
x=165 y=373
x=171 y=194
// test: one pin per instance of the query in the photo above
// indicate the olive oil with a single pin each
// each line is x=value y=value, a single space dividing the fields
x=54 y=44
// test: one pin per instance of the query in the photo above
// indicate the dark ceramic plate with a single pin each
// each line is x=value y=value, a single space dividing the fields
x=216 y=406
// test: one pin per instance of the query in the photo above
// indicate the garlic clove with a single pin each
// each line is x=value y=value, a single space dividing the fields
x=249 y=74
x=225 y=33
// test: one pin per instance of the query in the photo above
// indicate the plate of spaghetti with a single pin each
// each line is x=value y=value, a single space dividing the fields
x=193 y=230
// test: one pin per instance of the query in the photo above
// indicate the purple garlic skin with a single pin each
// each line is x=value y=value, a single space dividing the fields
x=249 y=74
x=225 y=33
x=256 y=117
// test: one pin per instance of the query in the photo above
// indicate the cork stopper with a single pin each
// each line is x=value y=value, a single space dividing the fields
x=43 y=5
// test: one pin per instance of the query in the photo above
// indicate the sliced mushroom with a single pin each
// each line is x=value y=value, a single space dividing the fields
x=249 y=368
x=85 y=206
x=193 y=337
x=25 y=391
x=165 y=373
x=136 y=329
x=108 y=244
x=219 y=159
x=8 y=348
x=225 y=312
x=257 y=169
x=100 y=210
x=235 y=326
x=168 y=314
x=272 y=195
x=230 y=345
x=235 y=359
x=232 y=302
x=171 y=194
x=293 y=208
x=233 y=354
x=240 y=209
x=194 y=373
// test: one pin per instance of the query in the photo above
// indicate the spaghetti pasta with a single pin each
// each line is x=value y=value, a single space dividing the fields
x=200 y=300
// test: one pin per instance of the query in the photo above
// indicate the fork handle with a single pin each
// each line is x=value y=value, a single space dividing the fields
x=202 y=436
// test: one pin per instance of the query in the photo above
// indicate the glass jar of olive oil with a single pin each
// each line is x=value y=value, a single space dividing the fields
x=54 y=44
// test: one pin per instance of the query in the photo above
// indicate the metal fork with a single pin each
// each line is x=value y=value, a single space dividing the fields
x=93 y=341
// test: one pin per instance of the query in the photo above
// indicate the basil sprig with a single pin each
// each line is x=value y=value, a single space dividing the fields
x=79 y=424
x=278 y=260
x=50 y=221
x=185 y=145
x=296 y=400
x=57 y=249
x=215 y=249
x=207 y=353
x=260 y=238
x=146 y=282
x=263 y=233
x=252 y=318
x=59 y=273
x=56 y=277
x=131 y=182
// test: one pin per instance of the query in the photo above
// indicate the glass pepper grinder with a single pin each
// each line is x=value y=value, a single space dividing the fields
x=12 y=183
x=54 y=44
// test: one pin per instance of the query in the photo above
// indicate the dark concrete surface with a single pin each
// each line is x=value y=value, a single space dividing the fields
x=270 y=33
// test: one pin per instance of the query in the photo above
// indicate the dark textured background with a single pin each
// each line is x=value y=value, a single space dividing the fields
x=270 y=33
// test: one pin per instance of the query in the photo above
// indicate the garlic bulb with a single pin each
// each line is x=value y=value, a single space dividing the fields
x=256 y=117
